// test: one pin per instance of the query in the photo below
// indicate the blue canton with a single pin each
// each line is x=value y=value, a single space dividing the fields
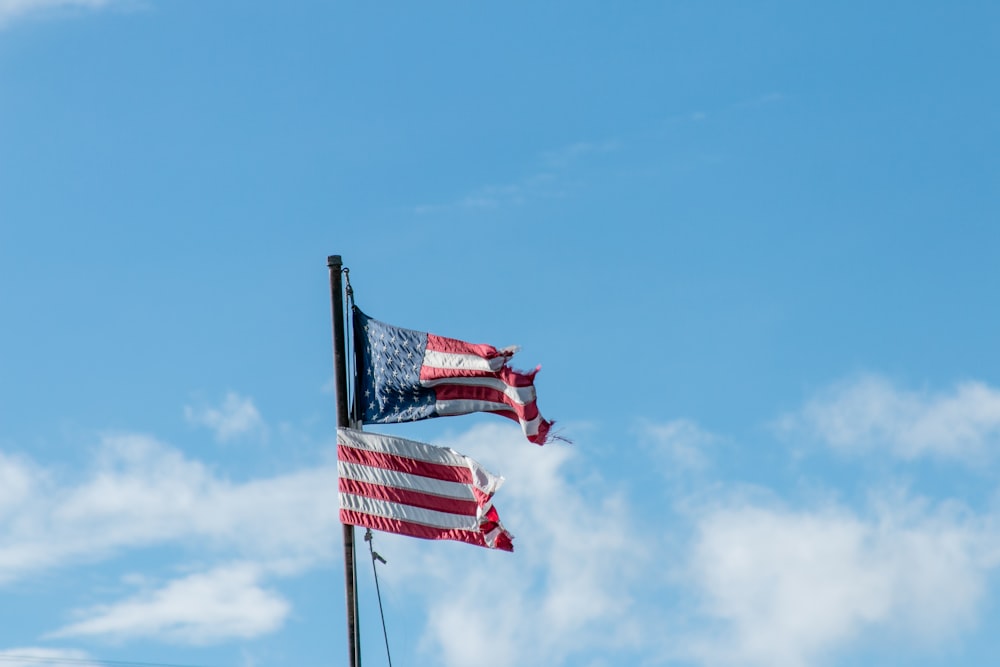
x=390 y=372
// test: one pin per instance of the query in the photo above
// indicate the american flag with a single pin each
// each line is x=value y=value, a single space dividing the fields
x=407 y=375
x=415 y=489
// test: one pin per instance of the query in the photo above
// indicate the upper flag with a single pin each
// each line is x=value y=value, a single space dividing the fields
x=409 y=375
x=411 y=488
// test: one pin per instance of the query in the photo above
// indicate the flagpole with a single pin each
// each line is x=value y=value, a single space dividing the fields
x=340 y=380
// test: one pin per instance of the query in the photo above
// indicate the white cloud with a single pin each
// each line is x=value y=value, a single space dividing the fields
x=15 y=9
x=44 y=657
x=870 y=413
x=544 y=182
x=592 y=575
x=576 y=566
x=568 y=588
x=561 y=158
x=753 y=584
x=17 y=481
x=142 y=492
x=494 y=196
x=790 y=588
x=761 y=100
x=225 y=603
x=680 y=444
x=236 y=416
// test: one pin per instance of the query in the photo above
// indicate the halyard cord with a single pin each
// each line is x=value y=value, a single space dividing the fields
x=355 y=418
x=356 y=423
x=376 y=556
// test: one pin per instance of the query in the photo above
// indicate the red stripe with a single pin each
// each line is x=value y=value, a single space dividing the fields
x=454 y=346
x=410 y=497
x=434 y=373
x=452 y=392
x=543 y=433
x=447 y=473
x=540 y=438
x=508 y=376
x=418 y=530
x=519 y=378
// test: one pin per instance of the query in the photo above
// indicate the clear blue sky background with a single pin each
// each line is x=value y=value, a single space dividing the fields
x=754 y=246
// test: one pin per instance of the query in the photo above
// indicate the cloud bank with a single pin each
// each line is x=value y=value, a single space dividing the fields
x=569 y=588
x=142 y=493
x=224 y=603
x=791 y=587
x=700 y=571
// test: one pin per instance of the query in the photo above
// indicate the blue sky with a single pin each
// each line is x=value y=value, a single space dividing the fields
x=753 y=245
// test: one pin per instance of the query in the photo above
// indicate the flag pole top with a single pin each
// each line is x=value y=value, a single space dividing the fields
x=333 y=261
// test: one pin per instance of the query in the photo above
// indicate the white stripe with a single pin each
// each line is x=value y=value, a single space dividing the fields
x=465 y=362
x=520 y=395
x=463 y=407
x=411 y=449
x=531 y=426
x=409 y=513
x=402 y=480
x=482 y=478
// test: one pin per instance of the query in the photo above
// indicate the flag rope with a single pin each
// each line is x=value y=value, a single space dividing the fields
x=376 y=557
x=352 y=362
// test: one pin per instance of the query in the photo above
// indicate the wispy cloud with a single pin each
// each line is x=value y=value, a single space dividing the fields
x=18 y=480
x=568 y=590
x=717 y=579
x=567 y=155
x=235 y=416
x=789 y=587
x=44 y=657
x=870 y=413
x=727 y=578
x=225 y=603
x=11 y=10
x=680 y=444
x=142 y=492
x=700 y=115
x=763 y=100
x=545 y=181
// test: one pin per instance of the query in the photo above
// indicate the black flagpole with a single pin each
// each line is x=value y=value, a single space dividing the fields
x=340 y=379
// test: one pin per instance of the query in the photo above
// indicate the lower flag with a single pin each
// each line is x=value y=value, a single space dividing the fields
x=415 y=489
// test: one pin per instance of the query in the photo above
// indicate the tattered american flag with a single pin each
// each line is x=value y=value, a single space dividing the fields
x=407 y=375
x=415 y=489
